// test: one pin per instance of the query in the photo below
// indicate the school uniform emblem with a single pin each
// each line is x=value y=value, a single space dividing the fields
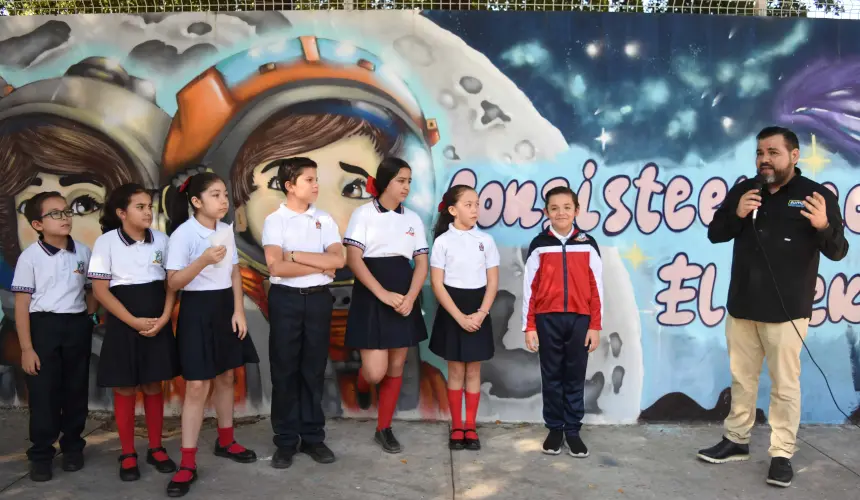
x=481 y=247
x=79 y=269
x=319 y=224
x=411 y=232
x=159 y=257
x=581 y=237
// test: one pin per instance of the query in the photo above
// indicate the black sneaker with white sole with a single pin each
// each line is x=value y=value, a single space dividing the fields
x=576 y=447
x=725 y=451
x=553 y=442
x=780 y=472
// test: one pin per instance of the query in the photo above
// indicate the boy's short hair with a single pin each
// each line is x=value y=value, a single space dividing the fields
x=33 y=207
x=561 y=190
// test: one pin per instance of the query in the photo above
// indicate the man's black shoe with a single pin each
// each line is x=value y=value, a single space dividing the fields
x=319 y=452
x=780 y=472
x=386 y=439
x=283 y=458
x=725 y=451
x=553 y=442
x=73 y=461
x=41 y=471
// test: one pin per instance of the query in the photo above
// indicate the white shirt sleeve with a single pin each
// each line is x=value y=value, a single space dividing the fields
x=356 y=230
x=491 y=253
x=272 y=233
x=87 y=255
x=235 y=250
x=438 y=255
x=178 y=252
x=421 y=246
x=25 y=275
x=330 y=232
x=100 y=261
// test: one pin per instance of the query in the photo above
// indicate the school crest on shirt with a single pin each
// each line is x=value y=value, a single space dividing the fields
x=158 y=258
x=79 y=269
x=411 y=232
x=481 y=247
x=581 y=237
x=318 y=224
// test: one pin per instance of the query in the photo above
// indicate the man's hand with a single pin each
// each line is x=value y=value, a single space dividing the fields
x=748 y=202
x=816 y=211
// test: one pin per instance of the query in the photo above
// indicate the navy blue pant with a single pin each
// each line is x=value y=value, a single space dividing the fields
x=298 y=353
x=563 y=359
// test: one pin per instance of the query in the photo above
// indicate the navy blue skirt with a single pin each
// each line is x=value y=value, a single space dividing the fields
x=373 y=325
x=451 y=342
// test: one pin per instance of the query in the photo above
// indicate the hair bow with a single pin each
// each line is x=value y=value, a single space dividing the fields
x=442 y=206
x=184 y=185
x=371 y=186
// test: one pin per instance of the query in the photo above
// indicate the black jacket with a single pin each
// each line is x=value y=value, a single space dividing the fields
x=792 y=246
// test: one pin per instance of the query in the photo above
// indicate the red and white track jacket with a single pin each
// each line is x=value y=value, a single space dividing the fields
x=563 y=277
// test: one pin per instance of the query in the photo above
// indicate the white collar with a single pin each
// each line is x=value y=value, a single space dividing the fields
x=289 y=213
x=569 y=235
x=471 y=232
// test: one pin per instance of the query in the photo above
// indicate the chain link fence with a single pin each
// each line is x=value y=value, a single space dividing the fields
x=841 y=9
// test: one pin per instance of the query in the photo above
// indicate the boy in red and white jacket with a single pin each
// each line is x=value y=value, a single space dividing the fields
x=562 y=314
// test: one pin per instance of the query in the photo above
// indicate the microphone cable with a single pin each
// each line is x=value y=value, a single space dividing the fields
x=788 y=316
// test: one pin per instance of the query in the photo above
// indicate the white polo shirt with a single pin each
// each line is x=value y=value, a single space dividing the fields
x=187 y=244
x=124 y=261
x=465 y=256
x=54 y=277
x=379 y=232
x=311 y=231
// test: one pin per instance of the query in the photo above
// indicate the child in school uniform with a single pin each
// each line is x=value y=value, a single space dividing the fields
x=139 y=349
x=383 y=238
x=562 y=317
x=303 y=249
x=464 y=273
x=211 y=331
x=55 y=329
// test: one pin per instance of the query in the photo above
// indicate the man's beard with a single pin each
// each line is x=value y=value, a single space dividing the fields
x=776 y=177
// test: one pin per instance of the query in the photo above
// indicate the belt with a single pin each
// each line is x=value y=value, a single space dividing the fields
x=304 y=291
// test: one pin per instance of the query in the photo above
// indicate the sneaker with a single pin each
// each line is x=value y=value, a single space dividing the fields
x=283 y=458
x=319 y=452
x=236 y=452
x=386 y=439
x=73 y=461
x=780 y=472
x=725 y=451
x=576 y=447
x=41 y=471
x=157 y=457
x=553 y=442
x=128 y=469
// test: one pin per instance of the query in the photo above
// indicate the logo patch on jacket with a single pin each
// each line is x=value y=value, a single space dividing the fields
x=581 y=237
x=795 y=203
x=158 y=258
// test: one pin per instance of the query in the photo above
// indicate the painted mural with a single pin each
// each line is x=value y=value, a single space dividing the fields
x=649 y=118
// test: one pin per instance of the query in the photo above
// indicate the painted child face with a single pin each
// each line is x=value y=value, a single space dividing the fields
x=213 y=202
x=85 y=197
x=561 y=211
x=138 y=214
x=466 y=208
x=342 y=168
x=56 y=220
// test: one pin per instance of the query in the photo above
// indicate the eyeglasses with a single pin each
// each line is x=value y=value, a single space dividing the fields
x=59 y=214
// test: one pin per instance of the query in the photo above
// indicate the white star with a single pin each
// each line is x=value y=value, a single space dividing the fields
x=604 y=138
x=592 y=49
x=631 y=49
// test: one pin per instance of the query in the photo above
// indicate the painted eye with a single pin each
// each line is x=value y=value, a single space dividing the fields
x=356 y=189
x=21 y=207
x=274 y=184
x=86 y=204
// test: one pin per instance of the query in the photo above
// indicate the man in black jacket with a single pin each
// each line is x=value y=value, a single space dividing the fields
x=780 y=221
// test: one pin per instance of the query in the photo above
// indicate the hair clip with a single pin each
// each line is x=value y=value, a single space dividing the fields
x=442 y=206
x=184 y=185
x=371 y=186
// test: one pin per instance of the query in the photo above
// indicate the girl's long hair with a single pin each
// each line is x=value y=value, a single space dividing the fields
x=181 y=208
x=449 y=199
x=118 y=199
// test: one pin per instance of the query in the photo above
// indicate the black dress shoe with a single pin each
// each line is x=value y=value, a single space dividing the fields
x=363 y=399
x=162 y=466
x=131 y=473
x=471 y=440
x=319 y=452
x=41 y=471
x=780 y=472
x=457 y=443
x=243 y=457
x=725 y=451
x=73 y=461
x=283 y=458
x=386 y=439
x=178 y=489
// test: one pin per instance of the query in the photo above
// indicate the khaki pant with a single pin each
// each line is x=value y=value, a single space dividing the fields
x=748 y=344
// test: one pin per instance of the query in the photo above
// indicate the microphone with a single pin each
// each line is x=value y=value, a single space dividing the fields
x=758 y=185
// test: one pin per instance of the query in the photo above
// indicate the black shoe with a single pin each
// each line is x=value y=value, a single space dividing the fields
x=363 y=398
x=162 y=466
x=283 y=458
x=457 y=443
x=243 y=457
x=386 y=439
x=73 y=461
x=178 y=489
x=780 y=472
x=472 y=443
x=576 y=448
x=553 y=442
x=725 y=451
x=131 y=473
x=319 y=452
x=41 y=471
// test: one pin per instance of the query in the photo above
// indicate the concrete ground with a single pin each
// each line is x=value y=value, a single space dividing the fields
x=635 y=462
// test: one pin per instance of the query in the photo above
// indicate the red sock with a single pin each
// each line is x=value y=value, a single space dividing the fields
x=389 y=391
x=472 y=400
x=153 y=405
x=225 y=439
x=123 y=410
x=455 y=403
x=189 y=460
x=361 y=385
